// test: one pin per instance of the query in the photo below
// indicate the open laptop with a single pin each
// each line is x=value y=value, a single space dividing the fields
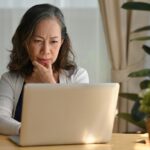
x=67 y=114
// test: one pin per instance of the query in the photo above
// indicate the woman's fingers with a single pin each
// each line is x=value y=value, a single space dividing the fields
x=37 y=65
x=42 y=73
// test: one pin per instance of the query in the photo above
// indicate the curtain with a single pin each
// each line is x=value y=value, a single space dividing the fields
x=125 y=56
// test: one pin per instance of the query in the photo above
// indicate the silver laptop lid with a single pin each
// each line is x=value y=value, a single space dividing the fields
x=68 y=114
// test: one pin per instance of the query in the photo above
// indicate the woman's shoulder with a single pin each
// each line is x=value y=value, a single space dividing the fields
x=11 y=78
x=79 y=75
x=9 y=75
x=80 y=70
x=77 y=70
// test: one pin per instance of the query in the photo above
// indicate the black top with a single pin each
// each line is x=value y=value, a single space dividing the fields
x=18 y=111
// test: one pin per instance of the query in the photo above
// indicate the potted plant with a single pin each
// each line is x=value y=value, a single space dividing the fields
x=141 y=106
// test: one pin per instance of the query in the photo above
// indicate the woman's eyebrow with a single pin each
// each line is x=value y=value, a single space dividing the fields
x=38 y=36
x=54 y=37
x=51 y=37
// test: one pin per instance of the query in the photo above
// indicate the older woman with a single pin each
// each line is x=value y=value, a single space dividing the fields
x=41 y=54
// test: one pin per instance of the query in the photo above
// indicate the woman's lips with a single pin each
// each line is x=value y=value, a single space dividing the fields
x=44 y=61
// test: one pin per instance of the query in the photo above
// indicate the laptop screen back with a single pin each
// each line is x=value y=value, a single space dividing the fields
x=68 y=114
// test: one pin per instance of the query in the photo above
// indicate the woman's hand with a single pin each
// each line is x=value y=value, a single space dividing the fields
x=41 y=74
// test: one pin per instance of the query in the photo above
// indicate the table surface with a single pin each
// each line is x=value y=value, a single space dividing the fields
x=118 y=142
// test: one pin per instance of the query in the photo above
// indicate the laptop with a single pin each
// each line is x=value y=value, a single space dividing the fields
x=67 y=114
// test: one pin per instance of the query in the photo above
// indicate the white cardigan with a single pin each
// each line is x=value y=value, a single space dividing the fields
x=10 y=90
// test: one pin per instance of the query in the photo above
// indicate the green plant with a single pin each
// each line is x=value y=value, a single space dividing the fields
x=141 y=107
x=145 y=102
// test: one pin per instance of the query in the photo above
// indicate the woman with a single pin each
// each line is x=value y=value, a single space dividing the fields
x=41 y=54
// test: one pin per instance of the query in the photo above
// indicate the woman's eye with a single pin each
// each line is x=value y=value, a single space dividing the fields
x=37 y=41
x=54 y=41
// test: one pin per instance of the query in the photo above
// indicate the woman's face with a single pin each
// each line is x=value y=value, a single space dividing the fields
x=45 y=43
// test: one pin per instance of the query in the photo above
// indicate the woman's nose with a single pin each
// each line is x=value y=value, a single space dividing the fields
x=46 y=48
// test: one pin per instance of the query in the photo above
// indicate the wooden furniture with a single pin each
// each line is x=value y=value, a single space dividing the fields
x=118 y=142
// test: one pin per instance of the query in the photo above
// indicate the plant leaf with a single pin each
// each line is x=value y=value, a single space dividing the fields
x=140 y=73
x=128 y=117
x=143 y=38
x=146 y=49
x=136 y=6
x=145 y=84
x=130 y=96
x=145 y=28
